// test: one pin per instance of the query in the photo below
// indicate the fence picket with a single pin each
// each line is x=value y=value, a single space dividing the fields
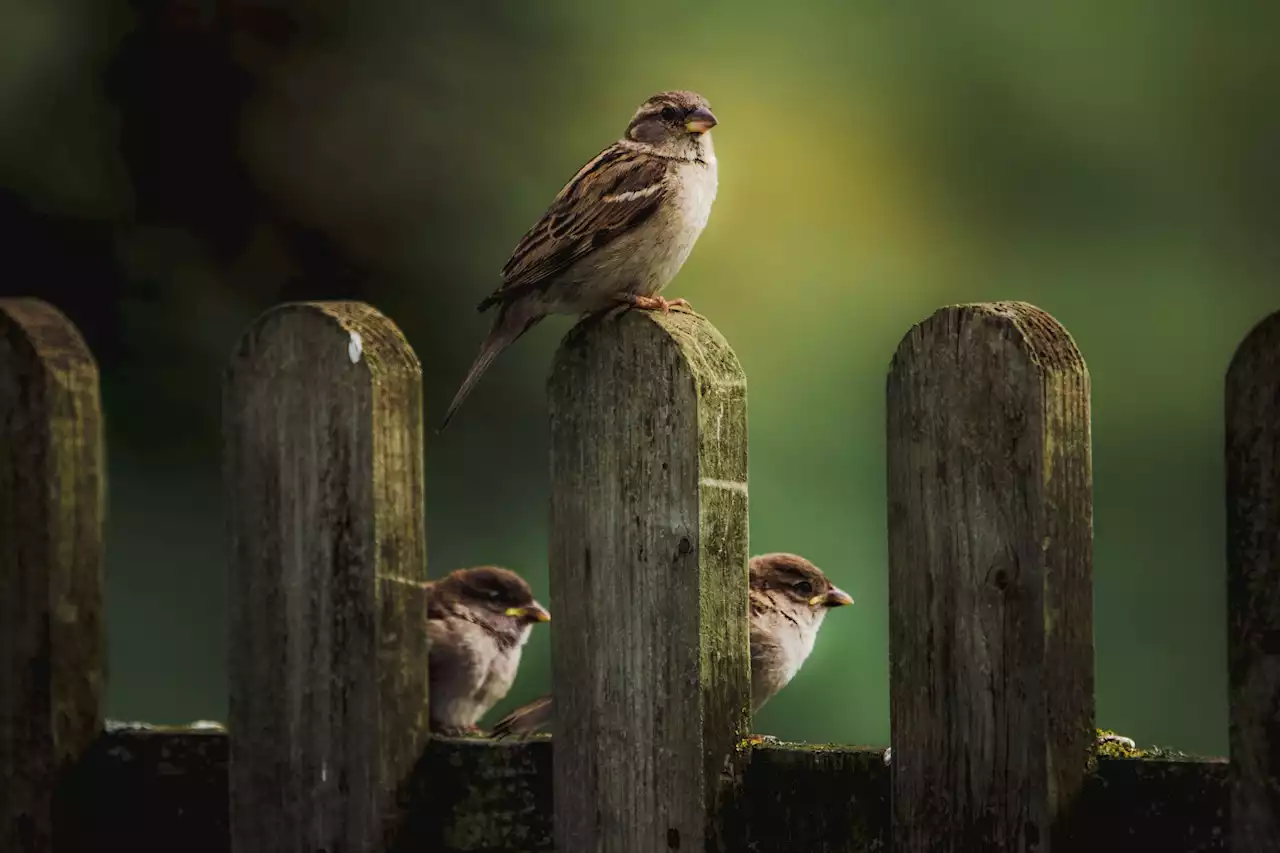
x=1253 y=587
x=649 y=579
x=322 y=413
x=52 y=647
x=990 y=580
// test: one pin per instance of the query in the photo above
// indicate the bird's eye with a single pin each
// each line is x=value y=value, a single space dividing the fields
x=670 y=113
x=493 y=593
x=803 y=587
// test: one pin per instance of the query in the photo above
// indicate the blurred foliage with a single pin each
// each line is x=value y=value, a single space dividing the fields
x=170 y=168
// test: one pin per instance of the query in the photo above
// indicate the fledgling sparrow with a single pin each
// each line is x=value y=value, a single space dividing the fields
x=790 y=597
x=478 y=621
x=616 y=234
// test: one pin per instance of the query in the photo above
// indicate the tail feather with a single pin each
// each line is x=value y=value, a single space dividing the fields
x=506 y=330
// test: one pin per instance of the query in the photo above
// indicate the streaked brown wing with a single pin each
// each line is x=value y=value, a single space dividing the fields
x=609 y=196
x=525 y=719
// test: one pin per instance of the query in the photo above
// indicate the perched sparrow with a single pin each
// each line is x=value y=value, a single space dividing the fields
x=789 y=599
x=478 y=621
x=616 y=234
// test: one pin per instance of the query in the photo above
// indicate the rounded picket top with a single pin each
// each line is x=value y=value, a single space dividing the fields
x=341 y=332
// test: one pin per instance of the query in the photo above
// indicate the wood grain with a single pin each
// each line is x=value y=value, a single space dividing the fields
x=649 y=578
x=51 y=513
x=1253 y=587
x=990 y=593
x=322 y=415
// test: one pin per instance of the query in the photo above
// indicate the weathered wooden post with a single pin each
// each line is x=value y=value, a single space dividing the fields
x=990 y=541
x=1253 y=587
x=322 y=418
x=51 y=513
x=649 y=582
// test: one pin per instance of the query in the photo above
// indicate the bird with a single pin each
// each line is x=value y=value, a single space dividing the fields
x=478 y=620
x=789 y=599
x=616 y=234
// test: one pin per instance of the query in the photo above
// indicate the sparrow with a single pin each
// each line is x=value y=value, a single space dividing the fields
x=616 y=234
x=478 y=620
x=789 y=598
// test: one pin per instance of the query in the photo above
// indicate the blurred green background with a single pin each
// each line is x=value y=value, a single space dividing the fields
x=169 y=169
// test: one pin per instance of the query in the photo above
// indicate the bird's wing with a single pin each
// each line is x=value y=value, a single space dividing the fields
x=609 y=196
x=526 y=719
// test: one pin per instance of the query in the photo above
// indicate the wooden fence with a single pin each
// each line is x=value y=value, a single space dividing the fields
x=990 y=527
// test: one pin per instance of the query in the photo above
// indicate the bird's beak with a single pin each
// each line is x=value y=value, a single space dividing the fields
x=836 y=597
x=533 y=613
x=699 y=121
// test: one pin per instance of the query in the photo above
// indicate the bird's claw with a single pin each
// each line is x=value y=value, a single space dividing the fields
x=757 y=740
x=657 y=303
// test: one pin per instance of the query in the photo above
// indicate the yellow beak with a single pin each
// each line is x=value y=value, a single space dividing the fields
x=835 y=597
x=699 y=121
x=533 y=613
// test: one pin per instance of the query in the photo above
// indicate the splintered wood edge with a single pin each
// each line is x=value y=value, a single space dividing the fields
x=471 y=795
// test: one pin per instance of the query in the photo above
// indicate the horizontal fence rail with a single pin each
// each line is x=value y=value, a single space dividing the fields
x=167 y=790
x=326 y=748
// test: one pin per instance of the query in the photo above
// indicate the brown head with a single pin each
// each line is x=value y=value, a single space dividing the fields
x=795 y=579
x=672 y=122
x=493 y=593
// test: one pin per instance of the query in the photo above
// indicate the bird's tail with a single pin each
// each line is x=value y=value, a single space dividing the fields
x=509 y=325
x=526 y=719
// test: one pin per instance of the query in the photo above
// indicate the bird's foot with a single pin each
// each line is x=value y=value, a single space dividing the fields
x=460 y=731
x=656 y=303
x=757 y=740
